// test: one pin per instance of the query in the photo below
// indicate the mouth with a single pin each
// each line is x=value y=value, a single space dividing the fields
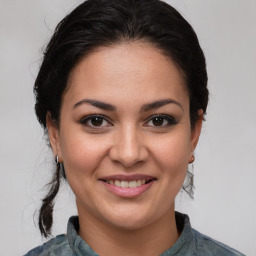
x=128 y=186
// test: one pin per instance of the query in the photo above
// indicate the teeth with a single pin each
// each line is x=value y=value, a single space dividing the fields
x=118 y=183
x=133 y=184
x=127 y=184
x=124 y=184
x=138 y=183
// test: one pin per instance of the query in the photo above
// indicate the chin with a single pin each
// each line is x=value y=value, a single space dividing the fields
x=131 y=219
x=129 y=223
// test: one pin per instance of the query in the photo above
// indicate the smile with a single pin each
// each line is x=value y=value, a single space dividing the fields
x=128 y=186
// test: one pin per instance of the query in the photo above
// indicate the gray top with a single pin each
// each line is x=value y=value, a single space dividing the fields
x=190 y=243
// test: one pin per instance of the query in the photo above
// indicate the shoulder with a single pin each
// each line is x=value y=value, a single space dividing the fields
x=54 y=247
x=208 y=246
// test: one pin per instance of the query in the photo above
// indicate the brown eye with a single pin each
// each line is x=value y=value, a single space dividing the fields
x=96 y=121
x=161 y=121
x=158 y=121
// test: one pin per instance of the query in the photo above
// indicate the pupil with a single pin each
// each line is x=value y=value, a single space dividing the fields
x=158 y=121
x=97 y=121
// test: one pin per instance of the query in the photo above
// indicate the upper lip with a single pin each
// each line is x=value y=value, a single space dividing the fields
x=128 y=177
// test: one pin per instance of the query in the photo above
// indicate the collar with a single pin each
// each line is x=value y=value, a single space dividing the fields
x=81 y=248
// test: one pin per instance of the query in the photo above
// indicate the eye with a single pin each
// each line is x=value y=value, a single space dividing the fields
x=95 y=121
x=161 y=121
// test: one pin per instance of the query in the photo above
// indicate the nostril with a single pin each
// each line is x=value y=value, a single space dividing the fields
x=128 y=152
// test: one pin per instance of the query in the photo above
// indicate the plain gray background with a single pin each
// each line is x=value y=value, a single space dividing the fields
x=225 y=170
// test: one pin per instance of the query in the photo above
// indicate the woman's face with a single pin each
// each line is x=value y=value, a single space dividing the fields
x=124 y=136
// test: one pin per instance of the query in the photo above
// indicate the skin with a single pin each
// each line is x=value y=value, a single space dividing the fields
x=127 y=142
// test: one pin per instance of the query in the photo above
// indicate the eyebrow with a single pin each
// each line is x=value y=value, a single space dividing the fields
x=144 y=108
x=158 y=104
x=96 y=103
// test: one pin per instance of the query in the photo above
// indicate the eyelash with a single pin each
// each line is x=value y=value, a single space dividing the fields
x=169 y=119
x=166 y=118
x=84 y=121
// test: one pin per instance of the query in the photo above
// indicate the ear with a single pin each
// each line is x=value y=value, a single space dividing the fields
x=54 y=136
x=196 y=131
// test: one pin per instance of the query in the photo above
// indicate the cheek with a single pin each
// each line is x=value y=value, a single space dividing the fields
x=173 y=163
x=171 y=156
x=81 y=154
x=173 y=150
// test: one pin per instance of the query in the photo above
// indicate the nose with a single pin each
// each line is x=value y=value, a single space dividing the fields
x=128 y=148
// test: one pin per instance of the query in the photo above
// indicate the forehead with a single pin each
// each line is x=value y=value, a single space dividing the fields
x=128 y=69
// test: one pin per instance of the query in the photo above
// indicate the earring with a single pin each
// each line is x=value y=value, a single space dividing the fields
x=57 y=159
x=192 y=159
x=60 y=166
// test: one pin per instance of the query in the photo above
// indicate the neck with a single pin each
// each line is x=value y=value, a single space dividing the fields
x=106 y=239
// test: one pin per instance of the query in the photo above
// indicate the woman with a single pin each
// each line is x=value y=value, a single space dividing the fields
x=122 y=93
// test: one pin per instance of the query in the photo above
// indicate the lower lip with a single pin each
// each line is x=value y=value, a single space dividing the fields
x=128 y=192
